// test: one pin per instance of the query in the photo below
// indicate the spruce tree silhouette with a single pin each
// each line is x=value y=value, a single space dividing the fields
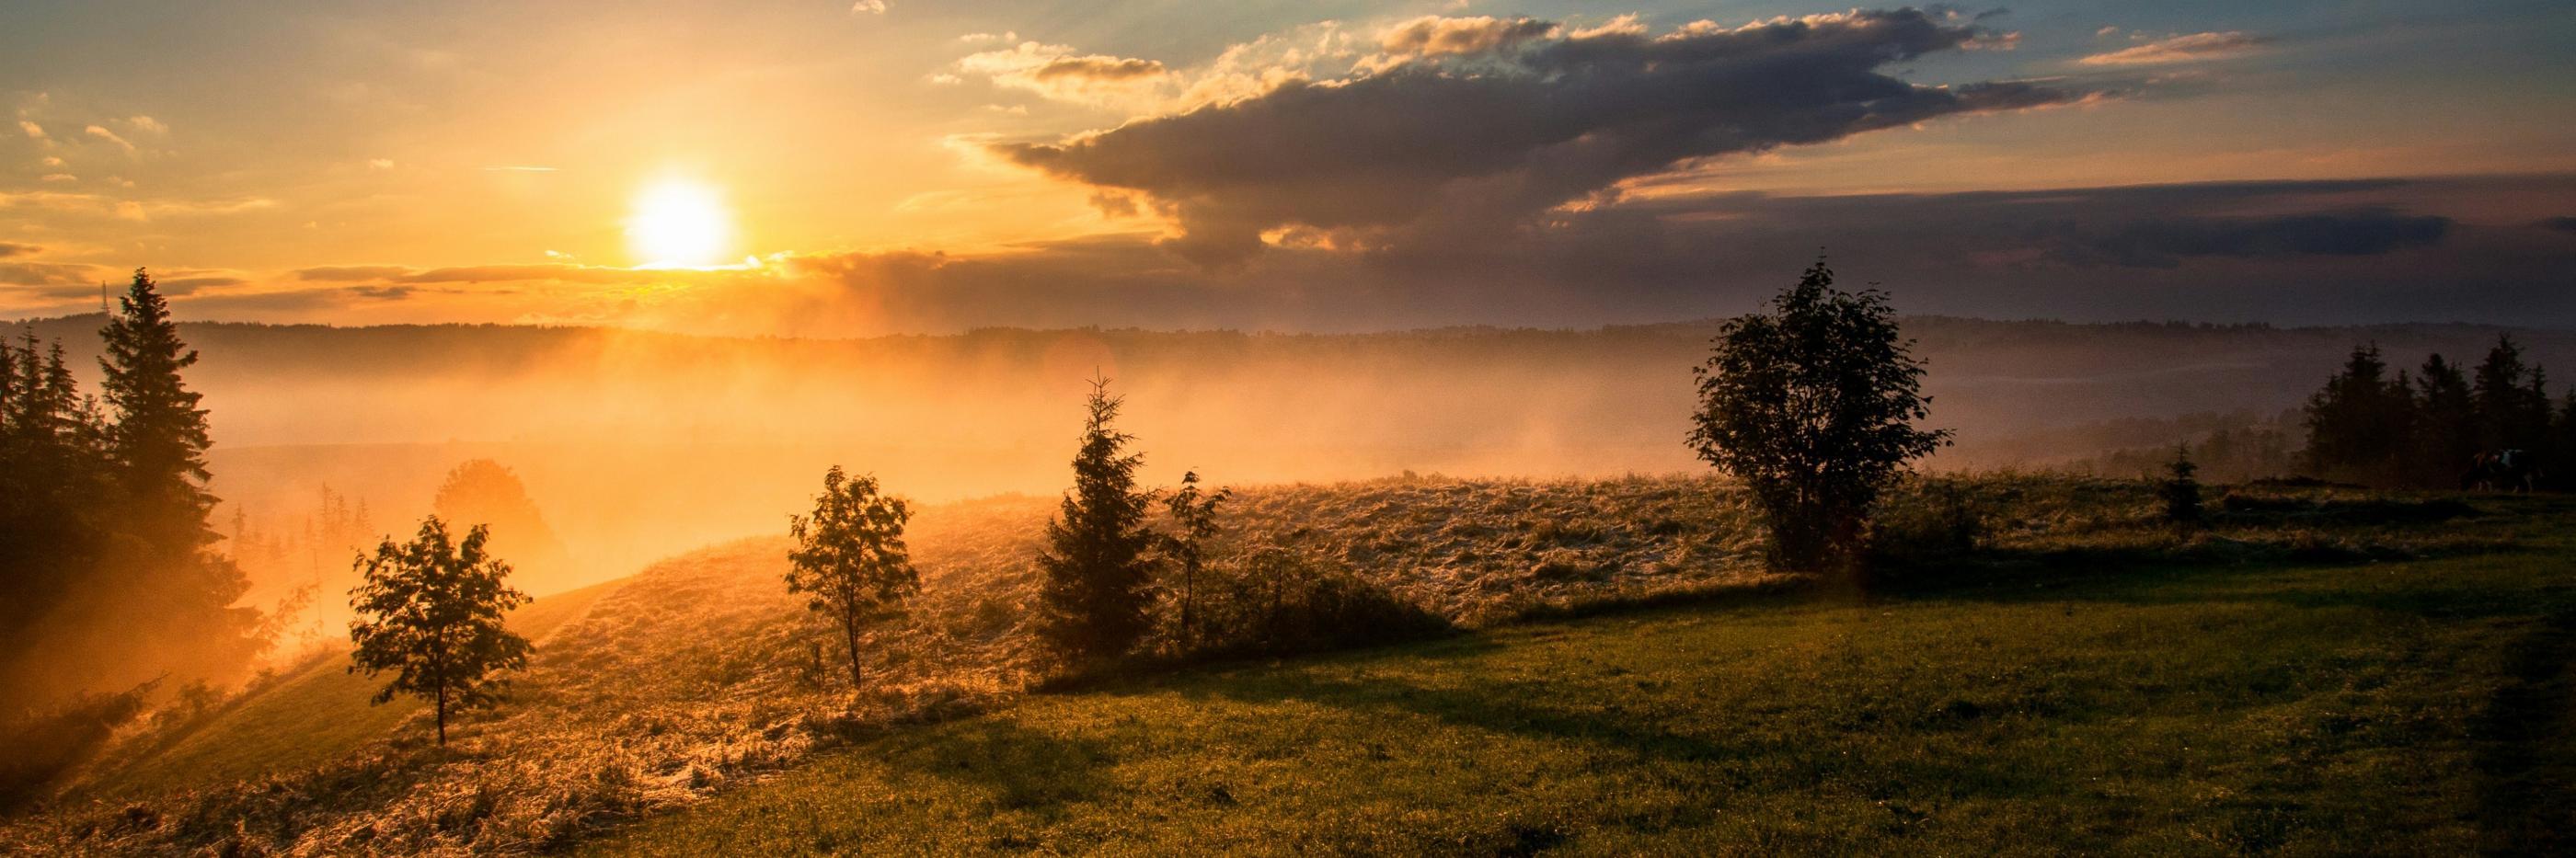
x=1097 y=589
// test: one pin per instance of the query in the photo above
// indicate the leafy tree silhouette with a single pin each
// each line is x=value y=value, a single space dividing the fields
x=483 y=491
x=850 y=557
x=1194 y=522
x=430 y=612
x=1812 y=405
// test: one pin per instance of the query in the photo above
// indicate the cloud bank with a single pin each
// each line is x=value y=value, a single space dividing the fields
x=1470 y=123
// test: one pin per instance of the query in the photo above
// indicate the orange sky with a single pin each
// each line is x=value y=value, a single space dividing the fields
x=237 y=147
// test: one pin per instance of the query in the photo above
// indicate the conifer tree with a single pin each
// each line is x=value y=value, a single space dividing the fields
x=2357 y=423
x=2446 y=423
x=430 y=612
x=2181 y=488
x=1098 y=578
x=159 y=441
x=2512 y=409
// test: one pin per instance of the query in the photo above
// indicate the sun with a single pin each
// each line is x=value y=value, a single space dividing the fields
x=678 y=223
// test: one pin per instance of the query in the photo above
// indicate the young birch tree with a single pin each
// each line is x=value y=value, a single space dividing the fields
x=850 y=558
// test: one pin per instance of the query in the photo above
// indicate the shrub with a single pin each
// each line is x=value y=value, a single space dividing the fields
x=1277 y=601
x=1937 y=521
x=41 y=745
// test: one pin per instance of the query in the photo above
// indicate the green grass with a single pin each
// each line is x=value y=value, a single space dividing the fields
x=314 y=716
x=2395 y=707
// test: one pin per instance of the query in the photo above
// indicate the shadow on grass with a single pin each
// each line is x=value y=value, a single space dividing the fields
x=1022 y=768
x=2526 y=766
x=1502 y=708
x=2145 y=577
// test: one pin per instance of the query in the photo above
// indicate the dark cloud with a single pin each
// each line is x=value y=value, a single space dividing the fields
x=2561 y=224
x=2303 y=252
x=2321 y=252
x=185 y=284
x=1498 y=136
x=345 y=273
x=2164 y=243
x=9 y=249
x=52 y=274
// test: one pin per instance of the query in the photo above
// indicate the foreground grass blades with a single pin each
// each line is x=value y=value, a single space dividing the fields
x=2407 y=707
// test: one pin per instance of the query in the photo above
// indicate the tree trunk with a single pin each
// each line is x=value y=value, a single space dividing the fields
x=442 y=717
x=1189 y=576
x=851 y=630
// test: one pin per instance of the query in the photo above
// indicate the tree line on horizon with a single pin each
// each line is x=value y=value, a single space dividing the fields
x=2428 y=428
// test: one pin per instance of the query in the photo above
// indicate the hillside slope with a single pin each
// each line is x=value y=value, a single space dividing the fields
x=317 y=714
x=2351 y=707
x=701 y=676
x=702 y=670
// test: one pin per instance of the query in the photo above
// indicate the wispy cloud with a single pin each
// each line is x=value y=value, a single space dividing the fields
x=1059 y=72
x=868 y=7
x=102 y=133
x=101 y=205
x=31 y=129
x=522 y=169
x=2182 y=49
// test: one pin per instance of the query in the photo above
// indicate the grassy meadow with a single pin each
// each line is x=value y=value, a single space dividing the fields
x=2321 y=670
x=2322 y=705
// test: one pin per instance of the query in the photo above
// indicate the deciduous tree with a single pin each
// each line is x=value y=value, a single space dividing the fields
x=1812 y=405
x=850 y=559
x=430 y=612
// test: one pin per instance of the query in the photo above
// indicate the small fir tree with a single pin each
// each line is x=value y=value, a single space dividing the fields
x=1098 y=577
x=2181 y=488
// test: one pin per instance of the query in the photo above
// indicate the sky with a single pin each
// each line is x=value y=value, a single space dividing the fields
x=909 y=166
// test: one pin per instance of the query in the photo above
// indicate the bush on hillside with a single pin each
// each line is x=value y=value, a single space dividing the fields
x=1276 y=600
x=1927 y=523
x=41 y=745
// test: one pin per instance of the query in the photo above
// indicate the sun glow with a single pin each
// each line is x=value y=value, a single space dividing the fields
x=677 y=223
